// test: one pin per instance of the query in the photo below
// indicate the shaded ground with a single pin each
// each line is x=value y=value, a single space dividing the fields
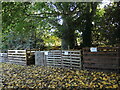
x=17 y=76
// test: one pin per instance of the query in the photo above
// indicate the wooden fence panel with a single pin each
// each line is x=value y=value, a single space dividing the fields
x=71 y=59
x=23 y=57
x=40 y=58
x=54 y=58
x=63 y=58
x=106 y=58
x=17 y=56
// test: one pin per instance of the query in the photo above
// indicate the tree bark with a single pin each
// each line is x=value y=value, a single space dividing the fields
x=68 y=40
x=87 y=32
x=68 y=34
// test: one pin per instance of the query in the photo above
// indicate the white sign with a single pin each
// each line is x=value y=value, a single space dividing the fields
x=93 y=49
x=3 y=54
x=46 y=53
x=66 y=53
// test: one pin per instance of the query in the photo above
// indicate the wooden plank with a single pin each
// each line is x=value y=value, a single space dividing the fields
x=16 y=50
x=18 y=58
x=106 y=57
x=39 y=58
x=17 y=61
x=54 y=57
x=16 y=53
x=100 y=66
x=57 y=64
x=110 y=62
x=66 y=64
x=71 y=51
x=75 y=62
x=66 y=59
x=15 y=56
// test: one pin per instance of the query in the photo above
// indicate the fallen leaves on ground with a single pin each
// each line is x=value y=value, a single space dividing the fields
x=18 y=76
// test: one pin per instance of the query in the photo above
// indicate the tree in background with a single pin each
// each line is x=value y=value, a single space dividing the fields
x=112 y=24
x=90 y=13
x=75 y=16
x=107 y=27
x=19 y=30
x=34 y=25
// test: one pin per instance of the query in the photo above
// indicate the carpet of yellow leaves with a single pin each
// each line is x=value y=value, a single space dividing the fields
x=18 y=76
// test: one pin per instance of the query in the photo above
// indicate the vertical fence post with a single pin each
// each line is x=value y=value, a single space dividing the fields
x=26 y=57
x=62 y=52
x=118 y=59
x=81 y=58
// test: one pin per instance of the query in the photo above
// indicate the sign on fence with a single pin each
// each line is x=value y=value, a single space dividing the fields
x=66 y=53
x=93 y=49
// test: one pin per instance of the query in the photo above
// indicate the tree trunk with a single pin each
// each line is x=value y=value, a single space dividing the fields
x=87 y=32
x=68 y=40
x=68 y=33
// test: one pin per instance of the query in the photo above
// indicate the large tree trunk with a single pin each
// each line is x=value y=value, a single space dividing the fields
x=68 y=34
x=118 y=29
x=68 y=40
x=87 y=38
x=87 y=32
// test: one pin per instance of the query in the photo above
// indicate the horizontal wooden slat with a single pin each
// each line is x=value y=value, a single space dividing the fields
x=71 y=51
x=103 y=62
x=15 y=56
x=16 y=53
x=54 y=57
x=16 y=50
x=17 y=61
x=66 y=64
x=71 y=60
x=99 y=66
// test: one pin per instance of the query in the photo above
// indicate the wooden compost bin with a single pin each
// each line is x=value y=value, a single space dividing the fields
x=104 y=59
x=59 y=58
x=22 y=57
x=71 y=58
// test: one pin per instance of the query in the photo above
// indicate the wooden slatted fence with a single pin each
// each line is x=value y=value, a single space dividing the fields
x=59 y=58
x=71 y=59
x=54 y=58
x=105 y=59
x=23 y=57
x=17 y=56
